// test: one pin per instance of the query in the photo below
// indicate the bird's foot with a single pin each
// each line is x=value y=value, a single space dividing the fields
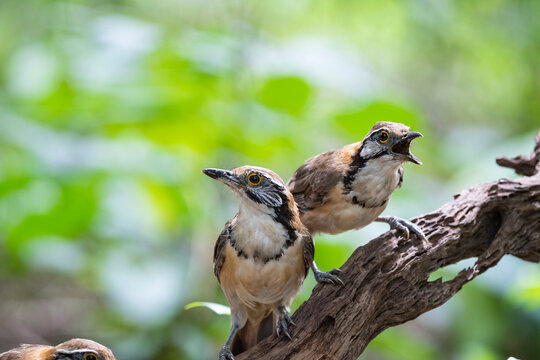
x=328 y=277
x=225 y=354
x=283 y=324
x=405 y=227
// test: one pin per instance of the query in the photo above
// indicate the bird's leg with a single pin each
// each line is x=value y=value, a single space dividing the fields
x=225 y=352
x=404 y=226
x=284 y=321
x=326 y=278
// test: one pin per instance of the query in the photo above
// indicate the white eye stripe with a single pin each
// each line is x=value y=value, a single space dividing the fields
x=271 y=199
x=267 y=178
x=77 y=351
x=66 y=351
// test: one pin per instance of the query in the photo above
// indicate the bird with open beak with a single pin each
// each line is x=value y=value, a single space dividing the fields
x=74 y=349
x=261 y=257
x=349 y=188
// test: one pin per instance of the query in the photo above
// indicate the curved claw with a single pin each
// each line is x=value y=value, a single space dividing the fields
x=404 y=230
x=404 y=226
x=283 y=325
x=328 y=278
x=415 y=229
x=225 y=354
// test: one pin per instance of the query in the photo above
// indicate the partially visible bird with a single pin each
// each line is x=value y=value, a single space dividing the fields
x=349 y=188
x=261 y=257
x=74 y=349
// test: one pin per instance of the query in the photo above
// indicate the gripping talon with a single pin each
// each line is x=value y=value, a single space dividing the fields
x=424 y=240
x=407 y=232
x=401 y=228
x=420 y=234
x=283 y=324
x=404 y=226
x=328 y=278
x=225 y=354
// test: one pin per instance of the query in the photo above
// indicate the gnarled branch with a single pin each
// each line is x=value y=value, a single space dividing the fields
x=524 y=165
x=387 y=279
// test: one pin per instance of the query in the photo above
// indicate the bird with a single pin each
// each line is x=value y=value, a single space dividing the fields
x=261 y=257
x=74 y=349
x=348 y=188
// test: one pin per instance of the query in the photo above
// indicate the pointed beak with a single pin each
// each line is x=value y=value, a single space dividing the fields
x=225 y=176
x=412 y=135
x=401 y=147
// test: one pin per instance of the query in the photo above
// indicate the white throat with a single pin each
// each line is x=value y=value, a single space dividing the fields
x=256 y=232
x=375 y=182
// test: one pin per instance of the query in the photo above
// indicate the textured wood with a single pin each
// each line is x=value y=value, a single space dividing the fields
x=386 y=281
x=524 y=165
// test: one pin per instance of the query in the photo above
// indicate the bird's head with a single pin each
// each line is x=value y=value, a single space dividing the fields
x=82 y=349
x=391 y=140
x=255 y=186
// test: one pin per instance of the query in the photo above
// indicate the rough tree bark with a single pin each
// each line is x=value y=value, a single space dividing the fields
x=387 y=279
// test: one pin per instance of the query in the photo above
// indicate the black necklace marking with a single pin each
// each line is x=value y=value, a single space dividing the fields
x=362 y=203
x=357 y=163
x=234 y=244
x=256 y=256
x=268 y=258
x=284 y=216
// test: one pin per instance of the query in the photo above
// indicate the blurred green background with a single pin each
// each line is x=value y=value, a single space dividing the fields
x=110 y=109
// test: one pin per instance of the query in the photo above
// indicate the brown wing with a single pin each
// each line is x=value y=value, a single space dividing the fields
x=29 y=352
x=309 y=250
x=219 y=248
x=314 y=179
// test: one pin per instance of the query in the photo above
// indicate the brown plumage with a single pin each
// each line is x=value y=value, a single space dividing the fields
x=261 y=257
x=350 y=187
x=74 y=349
x=313 y=181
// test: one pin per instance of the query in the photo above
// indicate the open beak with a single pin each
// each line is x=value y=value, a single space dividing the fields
x=402 y=147
x=225 y=176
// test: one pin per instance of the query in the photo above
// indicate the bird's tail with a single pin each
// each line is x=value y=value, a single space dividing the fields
x=252 y=333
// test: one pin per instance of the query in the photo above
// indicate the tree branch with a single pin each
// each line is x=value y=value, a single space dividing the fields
x=386 y=281
x=524 y=165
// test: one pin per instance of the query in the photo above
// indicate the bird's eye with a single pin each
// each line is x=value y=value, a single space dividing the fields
x=383 y=136
x=90 y=356
x=254 y=179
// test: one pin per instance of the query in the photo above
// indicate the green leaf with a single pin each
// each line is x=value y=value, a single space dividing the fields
x=217 y=308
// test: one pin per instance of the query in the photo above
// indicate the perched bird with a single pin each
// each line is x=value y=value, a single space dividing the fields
x=74 y=349
x=348 y=188
x=261 y=257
